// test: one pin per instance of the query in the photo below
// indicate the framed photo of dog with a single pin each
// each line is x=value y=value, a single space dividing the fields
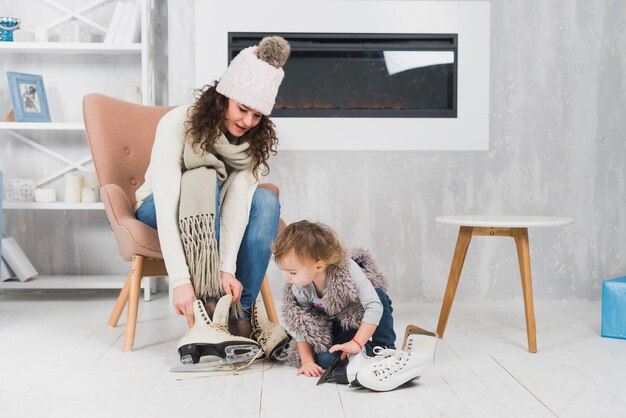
x=28 y=96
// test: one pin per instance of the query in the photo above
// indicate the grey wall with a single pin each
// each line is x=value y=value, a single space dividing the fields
x=556 y=148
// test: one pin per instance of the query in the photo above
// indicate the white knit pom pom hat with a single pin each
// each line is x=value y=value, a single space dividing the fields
x=254 y=75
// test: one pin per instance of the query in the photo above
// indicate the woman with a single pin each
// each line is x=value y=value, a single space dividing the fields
x=215 y=226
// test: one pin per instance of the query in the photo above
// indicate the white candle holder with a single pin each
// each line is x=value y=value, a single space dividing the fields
x=73 y=187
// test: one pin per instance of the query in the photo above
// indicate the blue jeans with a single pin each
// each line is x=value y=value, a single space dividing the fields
x=146 y=213
x=384 y=336
x=254 y=251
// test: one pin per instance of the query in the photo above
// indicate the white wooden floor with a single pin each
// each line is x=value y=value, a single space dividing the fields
x=59 y=359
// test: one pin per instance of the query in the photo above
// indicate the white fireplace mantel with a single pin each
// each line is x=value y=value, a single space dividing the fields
x=469 y=19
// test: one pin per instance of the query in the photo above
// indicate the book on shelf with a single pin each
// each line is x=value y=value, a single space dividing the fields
x=16 y=259
x=125 y=24
x=131 y=30
x=124 y=20
x=114 y=25
x=5 y=271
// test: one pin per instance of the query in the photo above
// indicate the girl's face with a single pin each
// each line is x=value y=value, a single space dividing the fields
x=240 y=118
x=300 y=272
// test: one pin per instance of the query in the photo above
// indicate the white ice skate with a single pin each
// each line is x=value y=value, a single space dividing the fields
x=272 y=337
x=358 y=361
x=414 y=329
x=211 y=338
x=414 y=359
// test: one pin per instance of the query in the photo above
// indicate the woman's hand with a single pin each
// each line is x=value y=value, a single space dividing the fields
x=183 y=299
x=351 y=347
x=311 y=369
x=231 y=285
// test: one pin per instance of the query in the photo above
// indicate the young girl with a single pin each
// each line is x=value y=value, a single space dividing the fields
x=215 y=226
x=335 y=301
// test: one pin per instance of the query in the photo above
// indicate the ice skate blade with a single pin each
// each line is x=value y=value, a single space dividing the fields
x=204 y=366
x=192 y=353
x=280 y=352
x=242 y=352
x=220 y=363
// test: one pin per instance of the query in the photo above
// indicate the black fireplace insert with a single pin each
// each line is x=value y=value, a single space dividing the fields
x=364 y=75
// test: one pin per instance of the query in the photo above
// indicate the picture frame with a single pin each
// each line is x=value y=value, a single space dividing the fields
x=28 y=96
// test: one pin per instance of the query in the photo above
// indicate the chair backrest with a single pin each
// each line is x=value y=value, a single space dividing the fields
x=120 y=136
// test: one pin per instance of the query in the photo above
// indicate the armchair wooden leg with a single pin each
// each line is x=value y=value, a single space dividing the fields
x=268 y=301
x=120 y=303
x=136 y=273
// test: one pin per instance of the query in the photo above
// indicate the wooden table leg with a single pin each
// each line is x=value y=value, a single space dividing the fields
x=462 y=243
x=523 y=254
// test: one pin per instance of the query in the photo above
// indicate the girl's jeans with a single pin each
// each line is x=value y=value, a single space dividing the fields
x=254 y=252
x=384 y=336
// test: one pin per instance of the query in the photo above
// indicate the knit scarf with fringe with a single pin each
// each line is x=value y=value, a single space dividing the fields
x=196 y=210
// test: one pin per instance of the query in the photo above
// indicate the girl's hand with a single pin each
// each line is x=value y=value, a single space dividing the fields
x=231 y=285
x=183 y=299
x=351 y=347
x=310 y=369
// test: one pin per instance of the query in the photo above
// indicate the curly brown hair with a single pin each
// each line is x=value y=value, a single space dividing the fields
x=206 y=121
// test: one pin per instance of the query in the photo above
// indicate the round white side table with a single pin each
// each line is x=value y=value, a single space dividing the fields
x=499 y=226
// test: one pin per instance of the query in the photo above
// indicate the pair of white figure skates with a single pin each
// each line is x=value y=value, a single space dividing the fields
x=210 y=336
x=390 y=368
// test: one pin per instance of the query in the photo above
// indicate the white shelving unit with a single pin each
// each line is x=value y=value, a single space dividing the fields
x=46 y=126
x=13 y=129
x=69 y=282
x=71 y=70
x=70 y=48
x=53 y=206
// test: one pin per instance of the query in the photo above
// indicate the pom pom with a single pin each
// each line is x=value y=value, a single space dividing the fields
x=274 y=50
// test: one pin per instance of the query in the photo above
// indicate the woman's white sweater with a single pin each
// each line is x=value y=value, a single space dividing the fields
x=162 y=179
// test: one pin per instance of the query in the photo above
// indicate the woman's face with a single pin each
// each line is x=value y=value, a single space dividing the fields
x=240 y=118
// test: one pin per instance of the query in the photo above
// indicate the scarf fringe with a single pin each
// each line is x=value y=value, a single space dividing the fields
x=198 y=237
x=201 y=251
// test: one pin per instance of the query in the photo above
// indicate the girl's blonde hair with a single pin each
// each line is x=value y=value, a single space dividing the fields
x=309 y=240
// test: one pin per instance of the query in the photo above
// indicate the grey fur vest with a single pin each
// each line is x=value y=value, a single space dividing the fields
x=340 y=299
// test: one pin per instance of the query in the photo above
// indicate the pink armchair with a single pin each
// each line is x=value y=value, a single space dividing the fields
x=120 y=136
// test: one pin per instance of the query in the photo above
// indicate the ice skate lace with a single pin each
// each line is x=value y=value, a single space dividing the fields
x=260 y=336
x=382 y=352
x=223 y=328
x=397 y=361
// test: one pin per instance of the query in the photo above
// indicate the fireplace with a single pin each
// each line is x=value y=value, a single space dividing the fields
x=364 y=75
x=419 y=69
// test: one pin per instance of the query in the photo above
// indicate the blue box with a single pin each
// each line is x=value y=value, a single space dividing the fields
x=614 y=308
